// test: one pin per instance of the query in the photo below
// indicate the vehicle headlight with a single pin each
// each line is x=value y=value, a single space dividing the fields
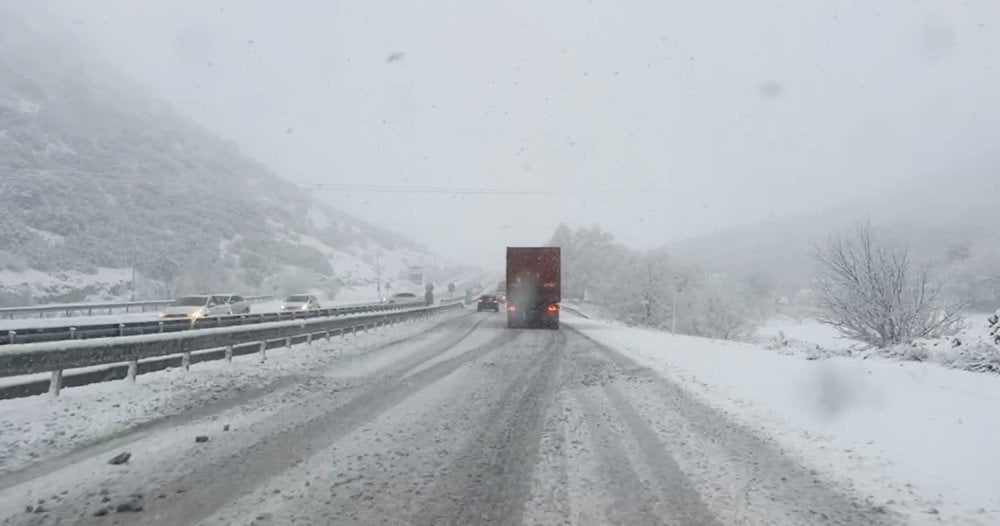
x=197 y=314
x=305 y=307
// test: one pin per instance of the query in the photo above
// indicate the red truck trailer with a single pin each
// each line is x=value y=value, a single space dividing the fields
x=533 y=287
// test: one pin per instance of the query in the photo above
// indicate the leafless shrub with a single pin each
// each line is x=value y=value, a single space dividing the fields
x=876 y=295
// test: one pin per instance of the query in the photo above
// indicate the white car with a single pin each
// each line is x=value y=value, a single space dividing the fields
x=194 y=307
x=237 y=304
x=402 y=297
x=300 y=302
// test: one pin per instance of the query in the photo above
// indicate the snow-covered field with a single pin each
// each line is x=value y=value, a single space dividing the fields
x=805 y=330
x=812 y=332
x=923 y=436
x=43 y=426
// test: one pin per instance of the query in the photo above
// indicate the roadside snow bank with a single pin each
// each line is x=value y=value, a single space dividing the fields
x=916 y=434
x=805 y=330
x=976 y=347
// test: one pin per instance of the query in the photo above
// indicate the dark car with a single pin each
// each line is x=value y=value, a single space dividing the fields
x=488 y=302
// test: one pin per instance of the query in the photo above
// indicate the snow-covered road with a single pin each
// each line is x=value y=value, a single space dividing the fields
x=466 y=423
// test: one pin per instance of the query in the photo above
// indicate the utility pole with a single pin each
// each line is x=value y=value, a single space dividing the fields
x=133 y=277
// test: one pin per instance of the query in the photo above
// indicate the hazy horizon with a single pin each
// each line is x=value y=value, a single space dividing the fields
x=657 y=122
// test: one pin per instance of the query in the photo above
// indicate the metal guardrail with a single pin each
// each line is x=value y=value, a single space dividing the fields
x=105 y=330
x=90 y=308
x=56 y=357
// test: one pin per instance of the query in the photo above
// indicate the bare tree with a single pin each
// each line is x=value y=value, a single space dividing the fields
x=637 y=291
x=875 y=295
x=714 y=306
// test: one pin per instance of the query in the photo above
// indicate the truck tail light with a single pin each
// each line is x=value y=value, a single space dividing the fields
x=511 y=308
x=552 y=307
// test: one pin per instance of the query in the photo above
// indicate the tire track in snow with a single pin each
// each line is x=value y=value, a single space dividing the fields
x=641 y=483
x=198 y=484
x=227 y=479
x=490 y=480
x=275 y=388
x=743 y=476
x=422 y=455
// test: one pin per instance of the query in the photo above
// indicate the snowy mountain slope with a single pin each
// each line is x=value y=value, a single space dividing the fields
x=96 y=177
x=949 y=219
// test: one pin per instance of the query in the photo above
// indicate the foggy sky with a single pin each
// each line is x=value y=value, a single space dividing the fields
x=705 y=114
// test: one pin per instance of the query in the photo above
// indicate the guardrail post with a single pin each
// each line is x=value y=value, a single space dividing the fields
x=263 y=351
x=121 y=329
x=10 y=336
x=229 y=353
x=288 y=342
x=309 y=338
x=327 y=336
x=55 y=384
x=186 y=361
x=72 y=333
x=133 y=370
x=160 y=325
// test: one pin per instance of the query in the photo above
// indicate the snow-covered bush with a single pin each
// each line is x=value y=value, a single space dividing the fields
x=874 y=294
x=980 y=356
x=907 y=352
x=973 y=349
x=715 y=306
x=785 y=345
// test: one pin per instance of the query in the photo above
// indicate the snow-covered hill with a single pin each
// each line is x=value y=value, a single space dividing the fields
x=948 y=218
x=97 y=177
